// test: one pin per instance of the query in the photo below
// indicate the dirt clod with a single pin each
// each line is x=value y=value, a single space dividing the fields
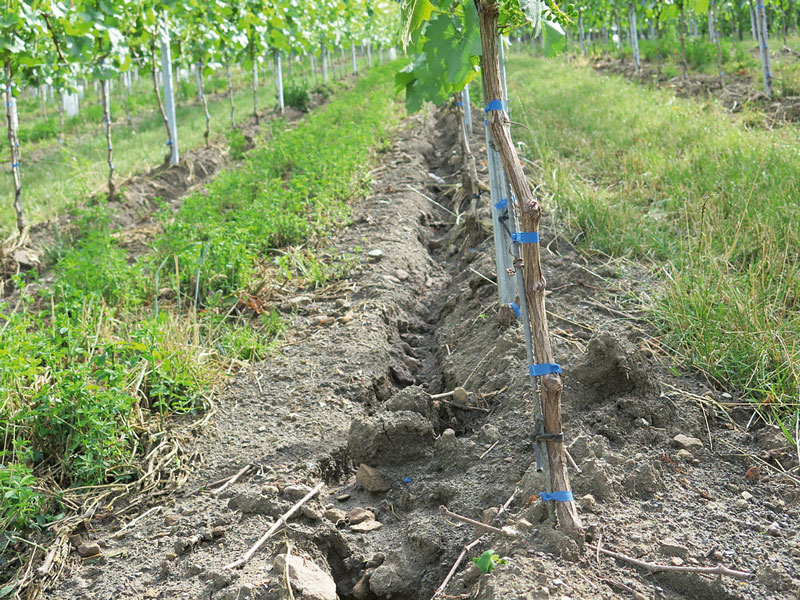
x=371 y=480
x=685 y=442
x=612 y=367
x=89 y=549
x=390 y=437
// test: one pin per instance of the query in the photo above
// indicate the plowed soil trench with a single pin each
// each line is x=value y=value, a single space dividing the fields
x=351 y=406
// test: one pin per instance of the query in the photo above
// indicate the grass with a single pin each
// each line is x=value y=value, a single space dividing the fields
x=55 y=178
x=709 y=205
x=116 y=344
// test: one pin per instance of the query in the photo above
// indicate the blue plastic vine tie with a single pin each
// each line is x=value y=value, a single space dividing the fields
x=14 y=165
x=459 y=104
x=543 y=369
x=169 y=142
x=515 y=307
x=495 y=105
x=557 y=496
x=501 y=204
x=525 y=237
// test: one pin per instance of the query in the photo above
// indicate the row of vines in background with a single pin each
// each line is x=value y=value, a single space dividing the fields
x=60 y=45
x=615 y=23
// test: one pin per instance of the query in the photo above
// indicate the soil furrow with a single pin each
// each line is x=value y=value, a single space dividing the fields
x=349 y=403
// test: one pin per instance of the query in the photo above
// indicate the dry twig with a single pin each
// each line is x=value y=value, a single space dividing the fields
x=655 y=567
x=271 y=531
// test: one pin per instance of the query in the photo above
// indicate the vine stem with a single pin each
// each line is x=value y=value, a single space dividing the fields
x=527 y=207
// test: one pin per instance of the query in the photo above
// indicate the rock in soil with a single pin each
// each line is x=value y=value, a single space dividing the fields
x=371 y=480
x=685 y=442
x=307 y=578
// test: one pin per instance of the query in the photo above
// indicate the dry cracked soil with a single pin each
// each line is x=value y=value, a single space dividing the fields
x=354 y=402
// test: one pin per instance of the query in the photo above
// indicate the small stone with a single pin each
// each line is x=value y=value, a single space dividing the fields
x=307 y=577
x=673 y=548
x=218 y=531
x=687 y=443
x=741 y=504
x=460 y=396
x=365 y=526
x=401 y=274
x=376 y=254
x=359 y=515
x=376 y=560
x=322 y=320
x=676 y=561
x=89 y=549
x=726 y=395
x=684 y=455
x=296 y=491
x=334 y=515
x=299 y=301
x=269 y=490
x=371 y=479
x=643 y=422
x=343 y=497
x=747 y=496
x=312 y=512
x=171 y=556
x=171 y=519
x=587 y=502
x=774 y=530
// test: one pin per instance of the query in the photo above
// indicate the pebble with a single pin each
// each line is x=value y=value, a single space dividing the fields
x=377 y=253
x=89 y=549
x=676 y=561
x=741 y=504
x=366 y=526
x=299 y=301
x=359 y=515
x=673 y=548
x=171 y=519
x=587 y=502
x=296 y=491
x=343 y=497
x=774 y=530
x=687 y=443
x=334 y=515
x=371 y=479
x=684 y=455
x=312 y=512
x=401 y=274
x=747 y=496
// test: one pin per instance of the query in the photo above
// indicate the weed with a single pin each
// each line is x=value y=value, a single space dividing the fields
x=237 y=143
x=296 y=95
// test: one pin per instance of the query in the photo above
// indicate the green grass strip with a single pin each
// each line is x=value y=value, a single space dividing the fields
x=78 y=366
x=713 y=207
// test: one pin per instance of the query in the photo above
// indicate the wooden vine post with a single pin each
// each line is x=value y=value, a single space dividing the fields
x=529 y=213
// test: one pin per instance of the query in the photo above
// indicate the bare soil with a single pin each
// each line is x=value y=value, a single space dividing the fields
x=418 y=317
